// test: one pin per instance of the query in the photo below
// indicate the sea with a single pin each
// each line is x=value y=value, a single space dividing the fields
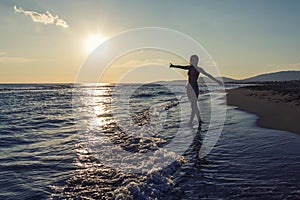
x=103 y=141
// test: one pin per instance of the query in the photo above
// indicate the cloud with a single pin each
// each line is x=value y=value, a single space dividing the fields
x=61 y=22
x=296 y=65
x=137 y=63
x=14 y=59
x=45 y=18
x=6 y=58
x=293 y=65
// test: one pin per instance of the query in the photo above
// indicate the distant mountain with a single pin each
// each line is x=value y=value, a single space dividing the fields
x=276 y=76
x=226 y=79
x=208 y=80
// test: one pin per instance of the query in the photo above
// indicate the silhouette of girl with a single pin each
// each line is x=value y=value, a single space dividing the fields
x=192 y=87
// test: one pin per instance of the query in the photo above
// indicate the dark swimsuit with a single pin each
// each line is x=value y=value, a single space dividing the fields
x=193 y=89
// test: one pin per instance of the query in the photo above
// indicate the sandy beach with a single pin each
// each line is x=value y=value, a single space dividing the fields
x=276 y=104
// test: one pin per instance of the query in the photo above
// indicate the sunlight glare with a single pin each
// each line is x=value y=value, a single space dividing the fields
x=93 y=41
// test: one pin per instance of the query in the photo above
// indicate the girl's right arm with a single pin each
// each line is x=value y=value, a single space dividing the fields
x=179 y=66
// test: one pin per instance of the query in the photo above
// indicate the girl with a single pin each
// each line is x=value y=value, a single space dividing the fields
x=192 y=85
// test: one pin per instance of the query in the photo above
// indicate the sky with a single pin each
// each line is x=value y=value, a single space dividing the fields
x=48 y=41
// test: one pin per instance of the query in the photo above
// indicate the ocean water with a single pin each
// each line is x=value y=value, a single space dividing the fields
x=96 y=142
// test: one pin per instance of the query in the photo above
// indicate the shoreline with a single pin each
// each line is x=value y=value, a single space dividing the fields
x=276 y=104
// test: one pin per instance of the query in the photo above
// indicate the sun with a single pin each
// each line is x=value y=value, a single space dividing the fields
x=93 y=41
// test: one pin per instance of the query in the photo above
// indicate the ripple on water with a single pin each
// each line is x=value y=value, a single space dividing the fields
x=43 y=156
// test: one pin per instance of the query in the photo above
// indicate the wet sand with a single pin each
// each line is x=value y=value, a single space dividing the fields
x=276 y=104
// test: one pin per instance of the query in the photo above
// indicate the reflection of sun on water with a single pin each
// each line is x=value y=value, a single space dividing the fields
x=93 y=41
x=99 y=100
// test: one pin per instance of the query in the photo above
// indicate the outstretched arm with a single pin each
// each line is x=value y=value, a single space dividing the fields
x=179 y=66
x=201 y=70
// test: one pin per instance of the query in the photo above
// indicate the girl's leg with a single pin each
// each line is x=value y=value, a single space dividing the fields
x=193 y=97
x=195 y=111
x=192 y=114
